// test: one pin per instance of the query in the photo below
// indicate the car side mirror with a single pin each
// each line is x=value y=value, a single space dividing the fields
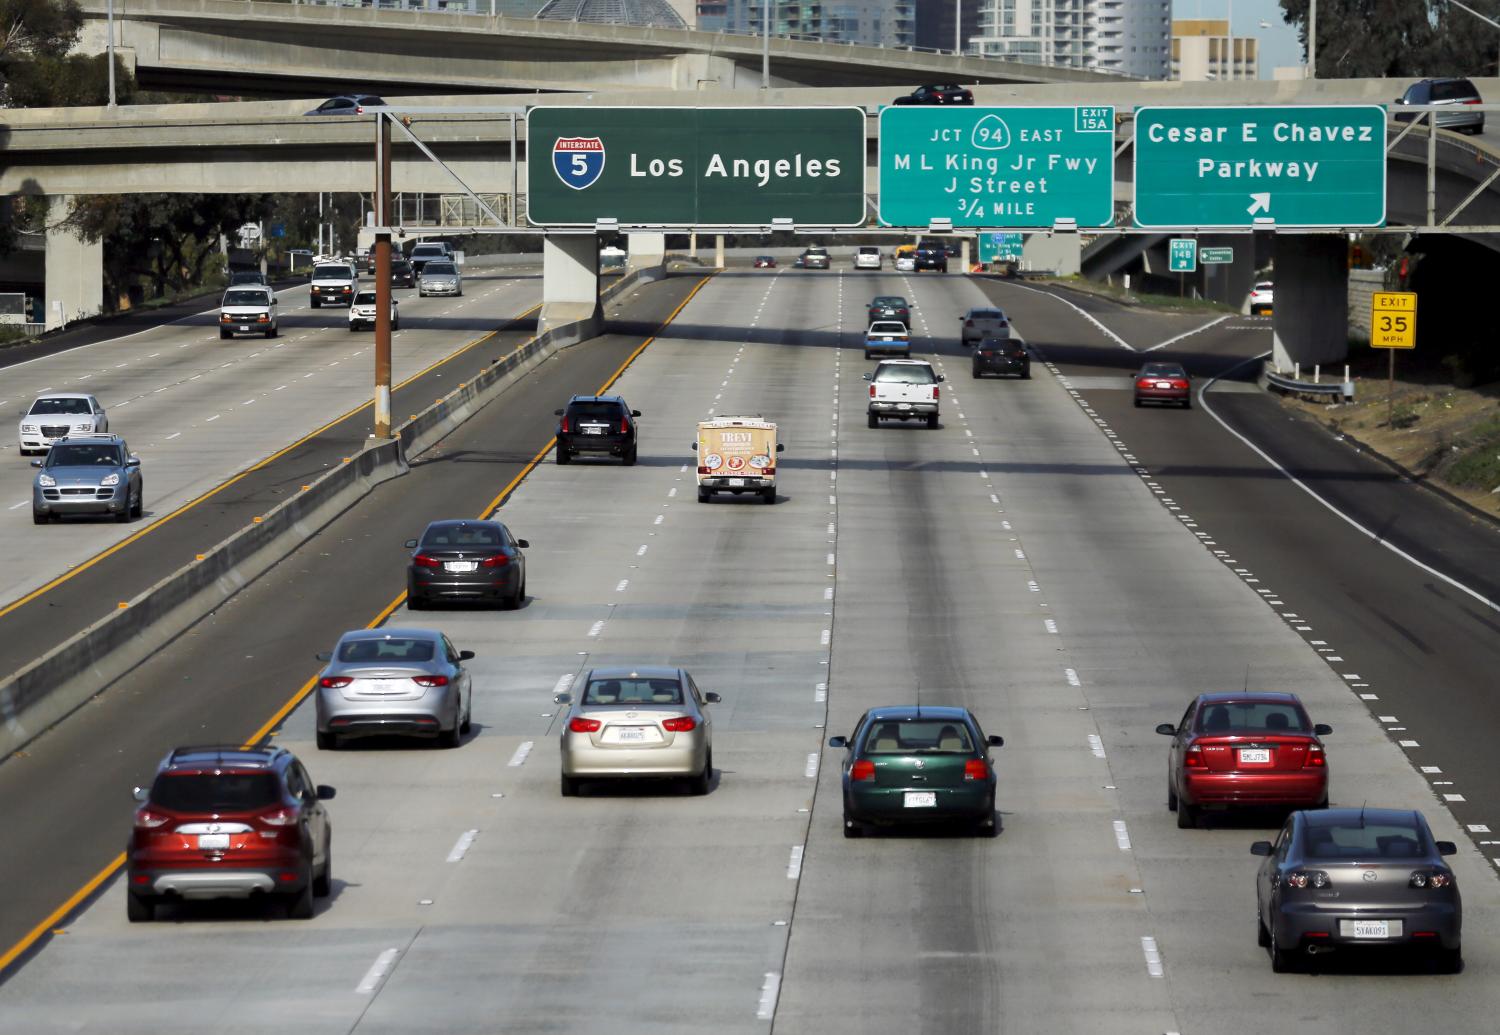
x=1261 y=848
x=1322 y=729
x=36 y=463
x=1166 y=729
x=781 y=447
x=942 y=377
x=562 y=698
x=134 y=461
x=995 y=741
x=411 y=544
x=557 y=413
x=139 y=794
x=695 y=447
x=524 y=544
x=325 y=792
x=635 y=413
x=869 y=377
x=712 y=698
x=324 y=655
x=1447 y=848
x=838 y=742
x=275 y=299
x=465 y=655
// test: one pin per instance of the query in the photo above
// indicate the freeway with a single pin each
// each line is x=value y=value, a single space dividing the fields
x=1014 y=560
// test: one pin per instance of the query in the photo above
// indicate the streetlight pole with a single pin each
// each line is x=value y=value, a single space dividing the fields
x=1312 y=39
x=958 y=26
x=109 y=22
x=765 y=44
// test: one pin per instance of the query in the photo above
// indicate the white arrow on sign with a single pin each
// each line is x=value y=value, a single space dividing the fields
x=1259 y=203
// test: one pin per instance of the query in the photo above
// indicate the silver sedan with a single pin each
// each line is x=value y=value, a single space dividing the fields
x=646 y=721
x=407 y=681
x=440 y=278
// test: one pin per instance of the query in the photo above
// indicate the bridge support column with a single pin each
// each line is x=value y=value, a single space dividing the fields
x=1048 y=251
x=570 y=286
x=74 y=271
x=1311 y=314
x=719 y=250
x=1229 y=282
x=643 y=251
x=693 y=245
x=965 y=258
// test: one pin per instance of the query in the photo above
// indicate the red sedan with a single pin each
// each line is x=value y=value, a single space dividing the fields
x=1163 y=383
x=1245 y=749
x=765 y=262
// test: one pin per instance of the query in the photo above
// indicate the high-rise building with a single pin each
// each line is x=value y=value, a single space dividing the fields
x=879 y=23
x=1203 y=49
x=1129 y=37
x=935 y=23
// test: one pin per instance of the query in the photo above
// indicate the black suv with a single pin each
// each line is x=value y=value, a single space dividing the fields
x=229 y=822
x=1457 y=94
x=932 y=259
x=596 y=424
x=1002 y=356
x=402 y=274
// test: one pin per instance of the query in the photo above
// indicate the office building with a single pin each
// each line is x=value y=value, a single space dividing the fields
x=1127 y=37
x=1204 y=50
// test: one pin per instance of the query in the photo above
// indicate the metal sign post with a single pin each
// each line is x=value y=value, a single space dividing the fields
x=382 y=277
x=1393 y=325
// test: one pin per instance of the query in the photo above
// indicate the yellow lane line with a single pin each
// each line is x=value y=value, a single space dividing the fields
x=56 y=916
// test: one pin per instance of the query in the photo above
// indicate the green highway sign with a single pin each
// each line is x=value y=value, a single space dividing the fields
x=1021 y=167
x=1182 y=255
x=1001 y=247
x=1215 y=256
x=690 y=167
x=1227 y=167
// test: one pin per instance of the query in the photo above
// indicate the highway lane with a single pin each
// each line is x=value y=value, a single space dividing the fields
x=648 y=911
x=217 y=683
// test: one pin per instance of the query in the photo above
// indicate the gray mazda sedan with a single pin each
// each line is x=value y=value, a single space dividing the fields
x=88 y=474
x=1352 y=878
x=406 y=681
x=466 y=560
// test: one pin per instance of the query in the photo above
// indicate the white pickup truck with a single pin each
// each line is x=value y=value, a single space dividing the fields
x=904 y=389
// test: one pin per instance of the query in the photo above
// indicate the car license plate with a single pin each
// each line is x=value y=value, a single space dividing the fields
x=903 y=406
x=632 y=734
x=209 y=842
x=1372 y=928
x=1252 y=755
x=921 y=799
x=460 y=566
x=593 y=429
x=244 y=326
x=736 y=481
x=1164 y=384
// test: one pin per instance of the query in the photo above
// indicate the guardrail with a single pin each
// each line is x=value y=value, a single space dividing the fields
x=1343 y=390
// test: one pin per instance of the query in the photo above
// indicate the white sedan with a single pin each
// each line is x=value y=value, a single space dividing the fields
x=1260 y=298
x=59 y=415
x=906 y=264
x=362 y=311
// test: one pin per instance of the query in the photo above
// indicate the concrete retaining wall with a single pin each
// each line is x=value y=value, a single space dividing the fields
x=45 y=691
x=1362 y=284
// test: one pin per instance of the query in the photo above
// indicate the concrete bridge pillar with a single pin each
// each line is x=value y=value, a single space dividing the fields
x=1228 y=282
x=570 y=285
x=1310 y=321
x=719 y=250
x=644 y=251
x=74 y=270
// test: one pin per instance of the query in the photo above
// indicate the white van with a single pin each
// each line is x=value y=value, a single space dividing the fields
x=867 y=257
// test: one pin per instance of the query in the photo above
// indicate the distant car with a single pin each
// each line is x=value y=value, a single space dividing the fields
x=1261 y=298
x=931 y=259
x=439 y=277
x=333 y=283
x=348 y=104
x=463 y=561
x=1353 y=879
x=1245 y=750
x=58 y=415
x=88 y=474
x=364 y=309
x=765 y=262
x=598 y=424
x=889 y=337
x=906 y=264
x=799 y=263
x=918 y=764
x=1001 y=356
x=402 y=275
x=867 y=257
x=1164 y=383
x=889 y=307
x=430 y=251
x=248 y=310
x=943 y=93
x=982 y=322
x=637 y=721
x=1456 y=93
x=404 y=681
x=816 y=258
x=247 y=277
x=229 y=822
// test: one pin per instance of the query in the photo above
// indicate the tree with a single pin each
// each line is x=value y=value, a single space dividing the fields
x=1397 y=39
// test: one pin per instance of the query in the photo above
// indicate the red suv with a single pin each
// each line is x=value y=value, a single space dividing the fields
x=1245 y=749
x=229 y=822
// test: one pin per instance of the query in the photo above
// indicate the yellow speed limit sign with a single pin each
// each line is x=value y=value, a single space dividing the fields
x=1393 y=320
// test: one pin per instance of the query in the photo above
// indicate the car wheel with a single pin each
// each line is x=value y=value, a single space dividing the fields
x=932 y=420
x=769 y=495
x=39 y=517
x=139 y=909
x=873 y=420
x=513 y=602
x=569 y=786
x=629 y=457
x=562 y=455
x=1449 y=961
x=1187 y=404
x=698 y=785
x=853 y=827
x=323 y=885
x=1171 y=797
x=299 y=905
x=703 y=495
x=270 y=332
x=352 y=328
x=1138 y=403
x=395 y=326
x=1026 y=373
x=328 y=741
x=1187 y=816
x=415 y=602
x=977 y=374
x=223 y=334
x=467 y=726
x=1281 y=959
x=1262 y=936
x=450 y=738
x=123 y=517
x=316 y=304
x=988 y=827
x=867 y=353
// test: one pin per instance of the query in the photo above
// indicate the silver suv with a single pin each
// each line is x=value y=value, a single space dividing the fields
x=87 y=474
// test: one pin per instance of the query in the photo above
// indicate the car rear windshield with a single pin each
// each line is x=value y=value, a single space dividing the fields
x=986 y=314
x=633 y=691
x=246 y=298
x=215 y=792
x=817 y=251
x=45 y=407
x=1252 y=717
x=929 y=736
x=399 y=265
x=364 y=298
x=1163 y=370
x=868 y=249
x=890 y=374
x=1364 y=841
x=333 y=273
x=1457 y=89
x=890 y=301
x=438 y=267
x=392 y=649
x=429 y=249
x=594 y=411
x=1264 y=285
x=84 y=456
x=463 y=535
x=888 y=327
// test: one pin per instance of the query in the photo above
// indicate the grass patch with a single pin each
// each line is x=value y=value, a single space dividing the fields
x=1119 y=294
x=1476 y=463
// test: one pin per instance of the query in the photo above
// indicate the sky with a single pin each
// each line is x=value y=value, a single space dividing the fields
x=1278 y=44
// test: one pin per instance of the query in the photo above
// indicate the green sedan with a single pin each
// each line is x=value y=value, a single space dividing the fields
x=918 y=764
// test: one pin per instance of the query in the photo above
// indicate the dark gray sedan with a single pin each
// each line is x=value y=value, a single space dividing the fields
x=406 y=681
x=466 y=560
x=1352 y=878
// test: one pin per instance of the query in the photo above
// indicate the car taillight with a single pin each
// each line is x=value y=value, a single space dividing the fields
x=864 y=769
x=625 y=426
x=703 y=470
x=686 y=724
x=334 y=682
x=500 y=560
x=430 y=680
x=1430 y=879
x=359 y=111
x=1315 y=759
x=278 y=817
x=566 y=428
x=1193 y=759
x=1476 y=100
x=936 y=391
x=968 y=323
x=1144 y=382
x=872 y=391
x=1307 y=879
x=584 y=725
x=421 y=560
x=976 y=769
x=1176 y=383
x=145 y=819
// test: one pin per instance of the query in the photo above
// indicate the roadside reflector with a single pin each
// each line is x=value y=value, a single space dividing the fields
x=123 y=604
